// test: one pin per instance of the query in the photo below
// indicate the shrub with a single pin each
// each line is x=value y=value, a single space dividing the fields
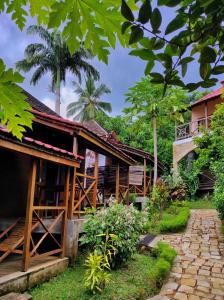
x=125 y=222
x=132 y=197
x=172 y=223
x=159 y=196
x=176 y=187
x=165 y=256
x=96 y=277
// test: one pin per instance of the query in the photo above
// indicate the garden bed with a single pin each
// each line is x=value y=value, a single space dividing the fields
x=140 y=278
x=172 y=220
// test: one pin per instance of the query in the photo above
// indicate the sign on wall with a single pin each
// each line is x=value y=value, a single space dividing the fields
x=136 y=175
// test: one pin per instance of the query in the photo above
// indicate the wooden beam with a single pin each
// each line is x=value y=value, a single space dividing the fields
x=64 y=222
x=117 y=193
x=127 y=194
x=37 y=153
x=72 y=195
x=53 y=125
x=29 y=216
x=144 y=179
x=75 y=145
x=206 y=115
x=96 y=170
x=104 y=147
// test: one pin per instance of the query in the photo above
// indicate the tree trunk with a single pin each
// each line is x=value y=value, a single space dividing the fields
x=155 y=151
x=58 y=93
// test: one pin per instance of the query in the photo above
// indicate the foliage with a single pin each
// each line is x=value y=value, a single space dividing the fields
x=130 y=282
x=176 y=186
x=14 y=111
x=125 y=222
x=93 y=24
x=165 y=257
x=172 y=223
x=211 y=155
x=204 y=203
x=148 y=99
x=173 y=219
x=54 y=56
x=96 y=277
x=160 y=196
x=190 y=177
x=89 y=102
x=132 y=197
x=195 y=33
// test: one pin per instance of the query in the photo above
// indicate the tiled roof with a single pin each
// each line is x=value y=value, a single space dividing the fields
x=212 y=95
x=64 y=123
x=38 y=105
x=42 y=145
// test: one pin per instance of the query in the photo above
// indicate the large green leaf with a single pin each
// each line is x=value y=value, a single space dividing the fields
x=175 y=24
x=14 y=109
x=126 y=11
x=136 y=34
x=156 y=19
x=145 y=12
x=144 y=54
x=208 y=55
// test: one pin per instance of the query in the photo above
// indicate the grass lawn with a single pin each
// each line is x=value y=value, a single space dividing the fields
x=200 y=204
x=128 y=283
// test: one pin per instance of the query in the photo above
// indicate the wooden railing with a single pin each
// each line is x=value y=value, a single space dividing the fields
x=193 y=128
x=85 y=193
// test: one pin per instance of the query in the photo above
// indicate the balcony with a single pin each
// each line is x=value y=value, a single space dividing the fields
x=192 y=129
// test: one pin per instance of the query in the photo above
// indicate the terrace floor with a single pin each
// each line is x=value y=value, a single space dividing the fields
x=198 y=272
x=41 y=269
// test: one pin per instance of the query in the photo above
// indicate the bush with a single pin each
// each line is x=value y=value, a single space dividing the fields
x=125 y=222
x=176 y=187
x=96 y=276
x=159 y=196
x=172 y=223
x=165 y=256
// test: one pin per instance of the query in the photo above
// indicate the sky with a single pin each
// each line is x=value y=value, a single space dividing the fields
x=121 y=73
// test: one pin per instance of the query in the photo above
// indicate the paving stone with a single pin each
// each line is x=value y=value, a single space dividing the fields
x=180 y=296
x=198 y=271
x=188 y=281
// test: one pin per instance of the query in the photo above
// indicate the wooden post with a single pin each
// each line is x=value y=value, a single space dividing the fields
x=206 y=115
x=117 y=182
x=75 y=145
x=127 y=196
x=144 y=179
x=64 y=223
x=96 y=166
x=29 y=216
x=72 y=195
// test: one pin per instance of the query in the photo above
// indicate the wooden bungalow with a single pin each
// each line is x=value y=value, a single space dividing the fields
x=47 y=180
x=141 y=173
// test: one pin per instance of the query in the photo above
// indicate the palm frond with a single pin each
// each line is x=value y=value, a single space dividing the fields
x=42 y=32
x=106 y=106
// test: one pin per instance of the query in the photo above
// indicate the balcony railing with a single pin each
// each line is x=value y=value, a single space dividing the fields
x=192 y=129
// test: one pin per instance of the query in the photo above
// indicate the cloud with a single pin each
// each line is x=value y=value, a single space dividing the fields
x=67 y=96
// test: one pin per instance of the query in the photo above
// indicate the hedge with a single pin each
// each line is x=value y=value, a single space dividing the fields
x=175 y=223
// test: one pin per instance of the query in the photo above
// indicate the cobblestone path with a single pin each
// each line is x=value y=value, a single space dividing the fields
x=198 y=272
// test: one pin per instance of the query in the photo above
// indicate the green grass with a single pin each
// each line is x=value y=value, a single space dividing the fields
x=174 y=222
x=200 y=204
x=130 y=282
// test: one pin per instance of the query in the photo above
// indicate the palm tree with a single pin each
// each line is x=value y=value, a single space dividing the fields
x=89 y=103
x=54 y=56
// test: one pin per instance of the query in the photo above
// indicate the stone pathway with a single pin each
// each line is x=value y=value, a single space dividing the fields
x=198 y=272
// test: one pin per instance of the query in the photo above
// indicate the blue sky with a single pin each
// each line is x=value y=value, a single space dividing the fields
x=120 y=74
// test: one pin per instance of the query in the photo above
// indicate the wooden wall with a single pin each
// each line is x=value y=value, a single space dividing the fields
x=14 y=170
